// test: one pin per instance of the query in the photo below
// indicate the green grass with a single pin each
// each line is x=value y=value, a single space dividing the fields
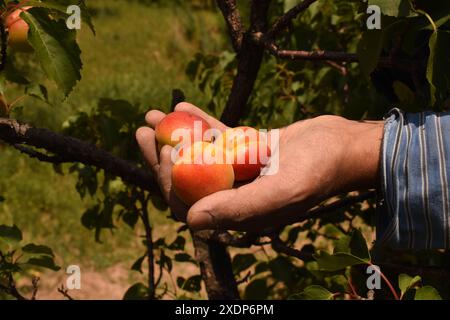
x=139 y=54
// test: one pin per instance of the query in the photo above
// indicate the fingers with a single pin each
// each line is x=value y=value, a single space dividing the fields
x=244 y=208
x=188 y=107
x=147 y=143
x=179 y=209
x=153 y=117
x=165 y=170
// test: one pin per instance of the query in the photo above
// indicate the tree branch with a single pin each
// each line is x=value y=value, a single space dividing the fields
x=234 y=22
x=75 y=150
x=215 y=266
x=65 y=292
x=35 y=287
x=34 y=154
x=150 y=254
x=279 y=246
x=245 y=241
x=249 y=63
x=284 y=21
x=322 y=55
x=339 y=204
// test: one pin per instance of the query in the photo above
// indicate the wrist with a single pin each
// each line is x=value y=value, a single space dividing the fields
x=366 y=145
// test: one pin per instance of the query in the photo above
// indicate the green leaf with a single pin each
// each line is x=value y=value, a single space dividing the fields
x=178 y=244
x=438 y=60
x=256 y=290
x=369 y=50
x=313 y=293
x=405 y=282
x=430 y=66
x=165 y=261
x=61 y=6
x=137 y=265
x=37 y=91
x=343 y=245
x=337 y=261
x=193 y=284
x=261 y=267
x=355 y=244
x=394 y=8
x=137 y=291
x=358 y=246
x=184 y=257
x=242 y=261
x=90 y=216
x=282 y=269
x=403 y=92
x=38 y=249
x=10 y=233
x=8 y=267
x=427 y=293
x=44 y=262
x=55 y=47
x=130 y=217
x=289 y=4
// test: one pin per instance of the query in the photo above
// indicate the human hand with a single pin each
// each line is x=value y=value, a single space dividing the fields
x=161 y=164
x=318 y=158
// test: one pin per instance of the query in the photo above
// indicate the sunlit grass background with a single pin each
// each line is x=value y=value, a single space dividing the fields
x=139 y=54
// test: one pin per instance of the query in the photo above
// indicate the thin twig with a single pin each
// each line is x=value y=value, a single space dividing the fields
x=386 y=280
x=65 y=292
x=283 y=22
x=35 y=285
x=281 y=247
x=149 y=241
x=244 y=279
x=339 y=204
x=323 y=55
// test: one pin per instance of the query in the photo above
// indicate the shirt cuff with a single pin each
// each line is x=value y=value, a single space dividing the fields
x=415 y=168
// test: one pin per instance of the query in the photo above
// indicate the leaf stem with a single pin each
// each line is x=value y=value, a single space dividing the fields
x=428 y=17
x=386 y=280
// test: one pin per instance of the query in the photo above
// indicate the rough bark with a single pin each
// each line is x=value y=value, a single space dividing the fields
x=233 y=21
x=249 y=63
x=69 y=149
x=215 y=266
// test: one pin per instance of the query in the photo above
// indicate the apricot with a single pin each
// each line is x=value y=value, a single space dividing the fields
x=181 y=127
x=196 y=174
x=18 y=31
x=247 y=149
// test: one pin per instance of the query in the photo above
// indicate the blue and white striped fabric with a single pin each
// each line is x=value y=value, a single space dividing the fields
x=415 y=168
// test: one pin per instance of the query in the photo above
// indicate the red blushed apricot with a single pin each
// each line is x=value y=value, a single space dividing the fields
x=18 y=31
x=195 y=177
x=14 y=16
x=180 y=127
x=248 y=160
x=248 y=151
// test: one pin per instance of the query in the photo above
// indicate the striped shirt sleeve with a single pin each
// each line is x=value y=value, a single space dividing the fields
x=415 y=168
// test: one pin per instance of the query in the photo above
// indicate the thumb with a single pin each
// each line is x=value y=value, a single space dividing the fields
x=243 y=208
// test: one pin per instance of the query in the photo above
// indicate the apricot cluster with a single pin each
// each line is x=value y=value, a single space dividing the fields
x=207 y=161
